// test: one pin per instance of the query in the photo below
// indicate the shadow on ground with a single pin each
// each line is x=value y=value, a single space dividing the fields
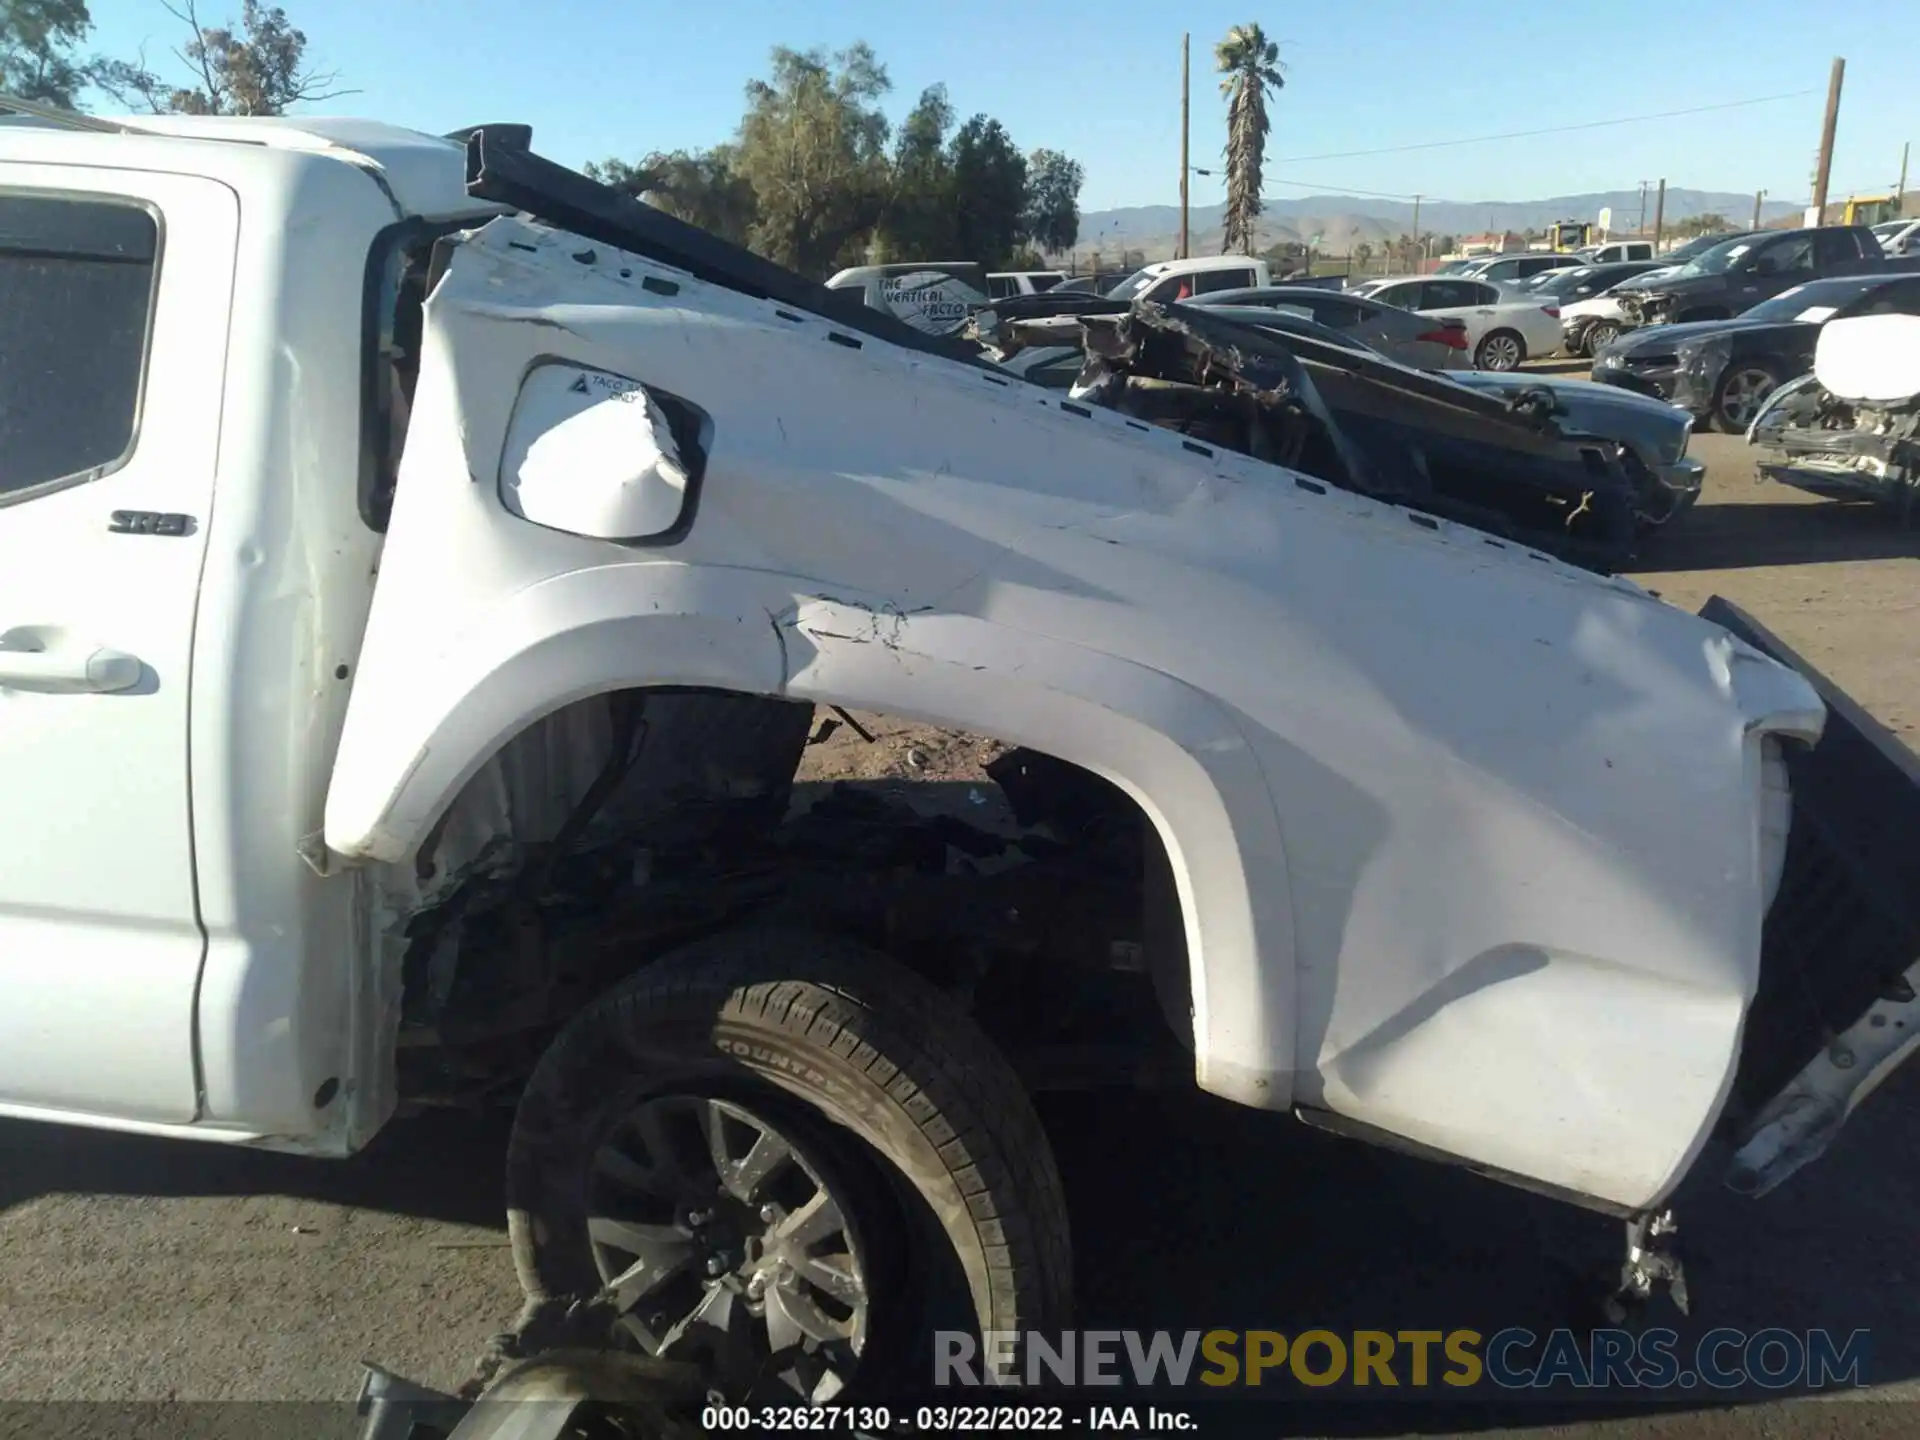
x=1192 y=1214
x=1747 y=536
x=443 y=1166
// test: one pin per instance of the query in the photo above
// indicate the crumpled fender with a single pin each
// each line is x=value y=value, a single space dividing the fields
x=1471 y=846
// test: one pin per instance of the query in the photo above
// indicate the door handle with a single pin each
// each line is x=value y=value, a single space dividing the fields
x=68 y=669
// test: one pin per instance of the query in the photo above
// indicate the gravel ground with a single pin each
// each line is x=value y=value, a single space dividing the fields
x=133 y=1270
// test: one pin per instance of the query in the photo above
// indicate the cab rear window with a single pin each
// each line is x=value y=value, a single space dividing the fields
x=76 y=295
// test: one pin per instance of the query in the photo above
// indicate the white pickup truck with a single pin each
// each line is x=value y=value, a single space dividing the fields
x=419 y=570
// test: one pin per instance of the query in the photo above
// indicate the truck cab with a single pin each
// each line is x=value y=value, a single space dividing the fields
x=1167 y=281
x=174 y=672
x=1619 y=250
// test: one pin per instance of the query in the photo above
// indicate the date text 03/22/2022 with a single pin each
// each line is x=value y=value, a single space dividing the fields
x=876 y=1420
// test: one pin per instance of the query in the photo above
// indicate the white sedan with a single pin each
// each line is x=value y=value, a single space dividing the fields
x=1502 y=328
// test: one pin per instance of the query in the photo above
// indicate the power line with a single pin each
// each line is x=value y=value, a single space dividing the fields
x=1548 y=130
x=1341 y=189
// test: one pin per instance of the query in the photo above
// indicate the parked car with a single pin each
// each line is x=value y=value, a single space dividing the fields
x=1652 y=437
x=1170 y=280
x=1850 y=430
x=1722 y=370
x=1507 y=268
x=403 y=701
x=1501 y=329
x=1087 y=284
x=1002 y=283
x=1581 y=282
x=1588 y=324
x=1687 y=250
x=1614 y=251
x=1416 y=340
x=1738 y=274
x=1898 y=238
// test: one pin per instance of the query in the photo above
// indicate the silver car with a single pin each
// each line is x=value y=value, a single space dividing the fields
x=1420 y=341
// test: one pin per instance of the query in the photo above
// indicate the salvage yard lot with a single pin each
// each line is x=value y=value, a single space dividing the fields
x=135 y=1269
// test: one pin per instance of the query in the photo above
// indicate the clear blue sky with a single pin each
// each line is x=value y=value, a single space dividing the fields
x=596 y=80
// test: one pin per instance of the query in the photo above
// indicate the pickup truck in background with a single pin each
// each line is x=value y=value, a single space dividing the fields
x=1741 y=272
x=421 y=568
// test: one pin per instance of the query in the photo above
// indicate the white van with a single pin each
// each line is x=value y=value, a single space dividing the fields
x=935 y=296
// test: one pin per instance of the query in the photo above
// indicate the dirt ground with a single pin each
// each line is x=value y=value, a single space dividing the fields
x=134 y=1270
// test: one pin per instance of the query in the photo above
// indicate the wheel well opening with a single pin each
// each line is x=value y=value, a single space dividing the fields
x=621 y=828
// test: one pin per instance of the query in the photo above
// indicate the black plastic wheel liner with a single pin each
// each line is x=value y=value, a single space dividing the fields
x=1846 y=921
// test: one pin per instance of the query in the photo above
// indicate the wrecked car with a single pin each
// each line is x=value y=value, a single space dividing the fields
x=1577 y=469
x=1850 y=429
x=1721 y=371
x=422 y=596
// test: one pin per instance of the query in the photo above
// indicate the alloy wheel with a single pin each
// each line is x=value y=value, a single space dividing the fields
x=1741 y=395
x=723 y=1239
x=1499 y=352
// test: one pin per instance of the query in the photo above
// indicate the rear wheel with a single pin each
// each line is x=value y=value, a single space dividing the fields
x=787 y=1159
x=1743 y=388
x=1500 y=350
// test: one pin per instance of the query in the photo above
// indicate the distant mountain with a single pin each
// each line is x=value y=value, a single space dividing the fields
x=1341 y=221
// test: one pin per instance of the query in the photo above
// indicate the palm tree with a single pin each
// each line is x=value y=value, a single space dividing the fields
x=1251 y=64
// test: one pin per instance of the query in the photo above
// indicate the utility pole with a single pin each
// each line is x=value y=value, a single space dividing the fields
x=1659 y=211
x=1418 y=268
x=1825 y=164
x=1900 y=191
x=1758 y=196
x=1185 y=71
x=1643 y=207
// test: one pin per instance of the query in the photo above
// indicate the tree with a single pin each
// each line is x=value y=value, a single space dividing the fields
x=1251 y=64
x=919 y=219
x=1050 y=217
x=259 y=69
x=990 y=191
x=816 y=179
x=813 y=147
x=1711 y=223
x=1362 y=253
x=701 y=187
x=37 y=40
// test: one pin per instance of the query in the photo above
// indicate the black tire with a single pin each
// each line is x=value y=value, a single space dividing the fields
x=1496 y=343
x=827 y=1034
x=1742 y=387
